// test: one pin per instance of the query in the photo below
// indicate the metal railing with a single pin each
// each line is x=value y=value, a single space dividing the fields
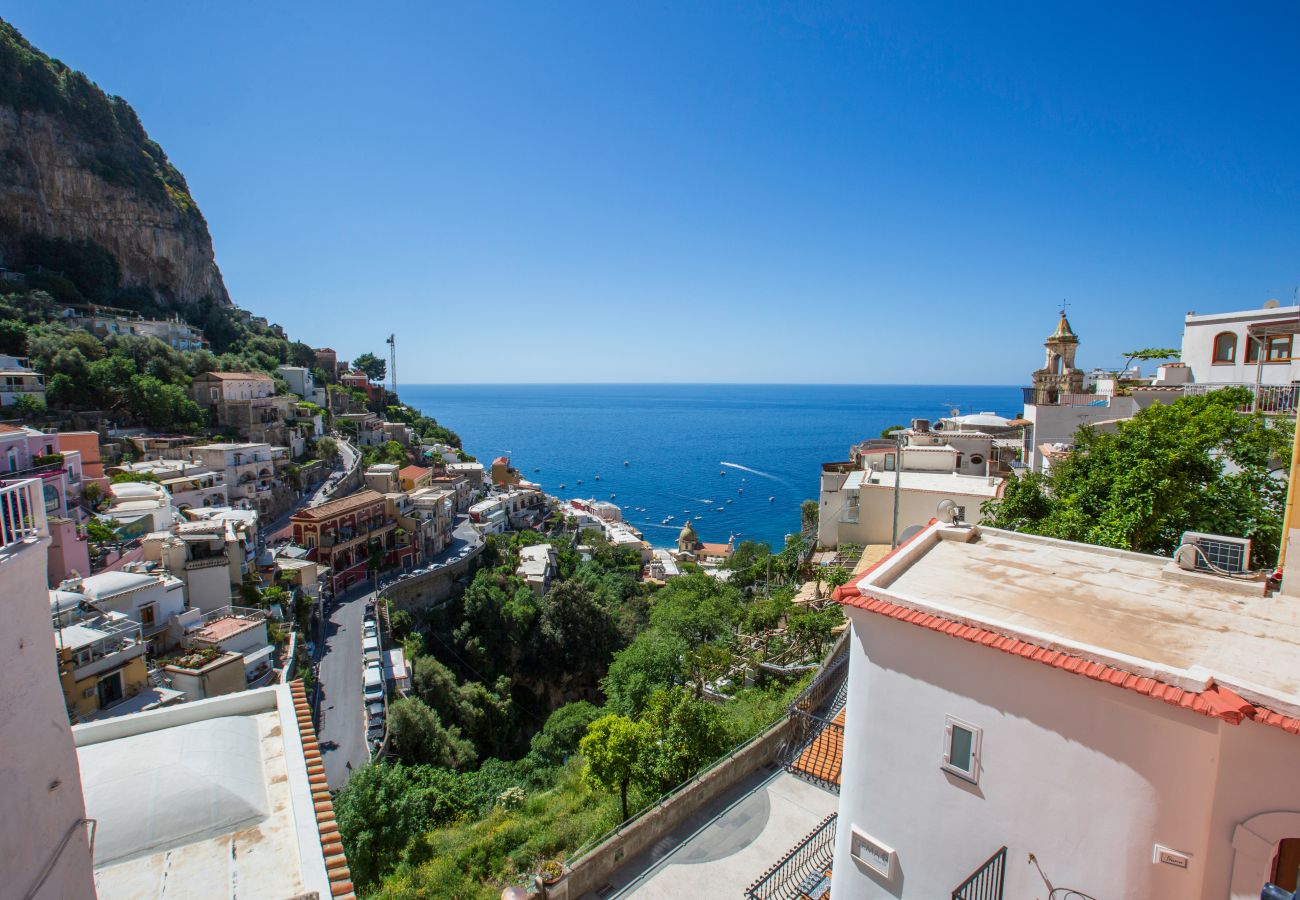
x=986 y=883
x=1044 y=396
x=802 y=869
x=1270 y=399
x=22 y=513
x=234 y=612
x=815 y=751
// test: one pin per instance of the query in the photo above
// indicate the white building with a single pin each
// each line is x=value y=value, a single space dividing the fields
x=1123 y=727
x=537 y=566
x=302 y=383
x=1251 y=346
x=43 y=807
x=190 y=484
x=140 y=507
x=148 y=598
x=17 y=379
x=249 y=469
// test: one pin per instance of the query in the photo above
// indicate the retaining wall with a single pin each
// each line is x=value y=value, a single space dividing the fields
x=430 y=588
x=594 y=868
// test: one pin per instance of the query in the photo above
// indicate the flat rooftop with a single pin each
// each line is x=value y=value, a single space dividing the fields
x=209 y=799
x=226 y=627
x=1132 y=611
x=940 y=482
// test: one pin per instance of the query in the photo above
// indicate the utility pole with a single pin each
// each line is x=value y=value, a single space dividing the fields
x=898 y=479
x=392 y=363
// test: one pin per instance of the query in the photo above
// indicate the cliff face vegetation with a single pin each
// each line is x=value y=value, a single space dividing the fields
x=77 y=167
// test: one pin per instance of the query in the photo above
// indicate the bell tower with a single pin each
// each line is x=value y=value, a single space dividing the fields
x=1058 y=374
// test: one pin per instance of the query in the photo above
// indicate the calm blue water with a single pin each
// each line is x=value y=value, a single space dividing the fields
x=769 y=439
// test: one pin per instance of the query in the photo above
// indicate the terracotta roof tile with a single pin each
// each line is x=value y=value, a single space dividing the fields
x=1216 y=701
x=336 y=863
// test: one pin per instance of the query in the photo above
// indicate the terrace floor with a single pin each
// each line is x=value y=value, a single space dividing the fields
x=728 y=845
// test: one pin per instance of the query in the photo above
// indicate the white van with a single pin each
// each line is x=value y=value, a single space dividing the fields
x=374 y=683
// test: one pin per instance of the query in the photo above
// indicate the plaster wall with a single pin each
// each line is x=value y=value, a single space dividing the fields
x=1086 y=776
x=40 y=781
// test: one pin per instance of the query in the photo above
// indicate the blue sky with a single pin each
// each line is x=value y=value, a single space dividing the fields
x=865 y=192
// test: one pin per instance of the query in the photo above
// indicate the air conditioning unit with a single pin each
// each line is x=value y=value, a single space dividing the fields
x=1215 y=553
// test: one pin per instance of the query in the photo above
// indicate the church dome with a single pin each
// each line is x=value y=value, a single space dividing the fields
x=687 y=534
x=1063 y=330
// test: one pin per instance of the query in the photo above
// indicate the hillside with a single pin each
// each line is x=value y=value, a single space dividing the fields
x=78 y=171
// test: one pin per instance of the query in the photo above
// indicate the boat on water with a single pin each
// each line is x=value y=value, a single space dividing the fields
x=722 y=509
x=598 y=478
x=722 y=471
x=537 y=468
x=563 y=486
x=728 y=499
x=626 y=463
x=740 y=490
x=579 y=481
x=771 y=499
x=612 y=496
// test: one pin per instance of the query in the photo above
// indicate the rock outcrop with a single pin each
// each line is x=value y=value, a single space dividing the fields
x=46 y=188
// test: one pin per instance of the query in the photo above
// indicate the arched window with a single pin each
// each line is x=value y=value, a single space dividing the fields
x=1225 y=347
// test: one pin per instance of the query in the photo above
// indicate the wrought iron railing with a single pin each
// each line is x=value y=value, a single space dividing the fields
x=826 y=683
x=986 y=883
x=1270 y=399
x=815 y=749
x=802 y=870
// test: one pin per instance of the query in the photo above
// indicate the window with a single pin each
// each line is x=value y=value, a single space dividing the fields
x=1225 y=347
x=889 y=462
x=148 y=615
x=1276 y=349
x=976 y=459
x=961 y=749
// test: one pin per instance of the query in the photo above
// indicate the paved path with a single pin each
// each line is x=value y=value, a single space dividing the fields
x=341 y=727
x=726 y=847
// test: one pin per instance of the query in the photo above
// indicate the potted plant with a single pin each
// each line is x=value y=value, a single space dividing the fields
x=551 y=871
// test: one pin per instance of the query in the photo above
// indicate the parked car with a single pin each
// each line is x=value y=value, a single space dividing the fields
x=374 y=682
x=370 y=628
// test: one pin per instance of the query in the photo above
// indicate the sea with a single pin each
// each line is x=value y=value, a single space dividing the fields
x=737 y=459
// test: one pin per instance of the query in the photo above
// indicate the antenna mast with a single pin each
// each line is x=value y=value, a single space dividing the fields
x=392 y=364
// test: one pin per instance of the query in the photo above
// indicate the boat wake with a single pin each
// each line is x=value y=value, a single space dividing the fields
x=778 y=479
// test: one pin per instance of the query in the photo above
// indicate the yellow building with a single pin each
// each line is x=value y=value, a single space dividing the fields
x=101 y=662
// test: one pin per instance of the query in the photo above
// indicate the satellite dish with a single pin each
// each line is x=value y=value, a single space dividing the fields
x=909 y=532
x=1271 y=304
x=946 y=511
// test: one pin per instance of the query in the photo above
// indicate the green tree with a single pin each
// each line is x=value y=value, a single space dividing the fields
x=1150 y=354
x=1159 y=474
x=28 y=406
x=696 y=608
x=563 y=731
x=684 y=735
x=416 y=735
x=327 y=449
x=808 y=513
x=13 y=338
x=371 y=366
x=655 y=660
x=613 y=747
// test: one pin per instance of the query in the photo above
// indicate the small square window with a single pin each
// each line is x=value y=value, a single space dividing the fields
x=961 y=749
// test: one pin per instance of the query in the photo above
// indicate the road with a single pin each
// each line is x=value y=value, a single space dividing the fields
x=341 y=728
x=281 y=528
x=341 y=721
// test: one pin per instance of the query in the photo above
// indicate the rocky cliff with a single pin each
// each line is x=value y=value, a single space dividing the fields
x=76 y=165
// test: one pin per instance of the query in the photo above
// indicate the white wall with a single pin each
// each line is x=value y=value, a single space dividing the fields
x=1198 y=348
x=40 y=782
x=875 y=523
x=1058 y=424
x=1086 y=776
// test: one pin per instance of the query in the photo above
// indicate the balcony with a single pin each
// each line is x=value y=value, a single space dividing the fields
x=22 y=513
x=1269 y=399
x=805 y=870
x=1053 y=397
